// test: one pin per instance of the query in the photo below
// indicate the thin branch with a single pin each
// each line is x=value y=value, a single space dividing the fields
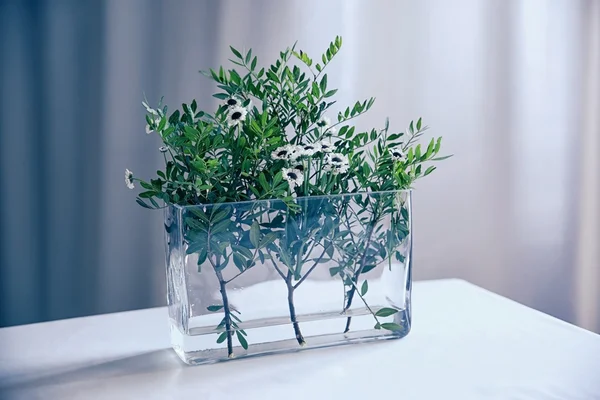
x=365 y=302
x=313 y=267
x=275 y=266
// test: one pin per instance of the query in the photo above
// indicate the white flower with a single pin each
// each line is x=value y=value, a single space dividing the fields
x=157 y=120
x=336 y=159
x=149 y=109
x=232 y=102
x=325 y=125
x=326 y=146
x=336 y=163
x=309 y=149
x=293 y=176
x=397 y=154
x=129 y=179
x=236 y=116
x=281 y=153
x=287 y=152
x=295 y=152
x=336 y=169
x=299 y=167
x=163 y=149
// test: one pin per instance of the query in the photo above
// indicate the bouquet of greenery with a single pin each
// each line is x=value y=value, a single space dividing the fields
x=274 y=137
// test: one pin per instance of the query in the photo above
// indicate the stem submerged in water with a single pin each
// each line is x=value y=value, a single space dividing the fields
x=357 y=275
x=297 y=332
x=227 y=311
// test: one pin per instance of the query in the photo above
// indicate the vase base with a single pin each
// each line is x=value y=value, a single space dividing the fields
x=202 y=349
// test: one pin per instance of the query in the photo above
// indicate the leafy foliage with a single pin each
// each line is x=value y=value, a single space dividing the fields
x=272 y=138
x=210 y=160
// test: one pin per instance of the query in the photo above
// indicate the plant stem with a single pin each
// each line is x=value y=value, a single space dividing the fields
x=223 y=290
x=365 y=302
x=358 y=272
x=313 y=267
x=297 y=331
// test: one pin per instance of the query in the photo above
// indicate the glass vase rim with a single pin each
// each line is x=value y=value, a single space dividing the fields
x=380 y=192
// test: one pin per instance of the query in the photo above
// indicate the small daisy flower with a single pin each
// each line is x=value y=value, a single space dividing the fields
x=309 y=149
x=288 y=152
x=163 y=149
x=295 y=152
x=129 y=179
x=326 y=146
x=281 y=153
x=293 y=176
x=336 y=163
x=336 y=169
x=232 y=102
x=236 y=116
x=149 y=129
x=149 y=109
x=397 y=154
x=324 y=123
x=336 y=159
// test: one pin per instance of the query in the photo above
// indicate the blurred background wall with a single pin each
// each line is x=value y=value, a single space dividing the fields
x=513 y=86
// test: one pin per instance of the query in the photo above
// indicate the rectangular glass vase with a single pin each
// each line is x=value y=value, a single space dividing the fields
x=263 y=277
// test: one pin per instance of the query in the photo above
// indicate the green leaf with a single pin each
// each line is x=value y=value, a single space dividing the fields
x=239 y=261
x=368 y=268
x=377 y=326
x=364 y=288
x=441 y=158
x=390 y=326
x=202 y=256
x=141 y=203
x=386 y=312
x=242 y=340
x=255 y=234
x=214 y=308
x=419 y=124
x=237 y=53
x=222 y=337
x=323 y=84
x=429 y=170
x=242 y=250
x=267 y=239
x=263 y=182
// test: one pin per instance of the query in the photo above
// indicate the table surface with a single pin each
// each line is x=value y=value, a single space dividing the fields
x=466 y=343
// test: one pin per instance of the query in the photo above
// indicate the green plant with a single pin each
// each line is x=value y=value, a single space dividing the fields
x=272 y=138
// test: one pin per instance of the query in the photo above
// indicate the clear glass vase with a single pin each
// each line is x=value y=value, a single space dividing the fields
x=263 y=277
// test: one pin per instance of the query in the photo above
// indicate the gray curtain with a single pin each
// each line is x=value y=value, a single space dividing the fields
x=511 y=85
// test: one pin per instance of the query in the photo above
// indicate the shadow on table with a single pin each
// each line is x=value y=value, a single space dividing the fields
x=154 y=361
x=158 y=372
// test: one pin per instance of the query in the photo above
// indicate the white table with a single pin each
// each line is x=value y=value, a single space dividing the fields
x=466 y=343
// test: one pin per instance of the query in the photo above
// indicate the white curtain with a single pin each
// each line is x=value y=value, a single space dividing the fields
x=511 y=85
